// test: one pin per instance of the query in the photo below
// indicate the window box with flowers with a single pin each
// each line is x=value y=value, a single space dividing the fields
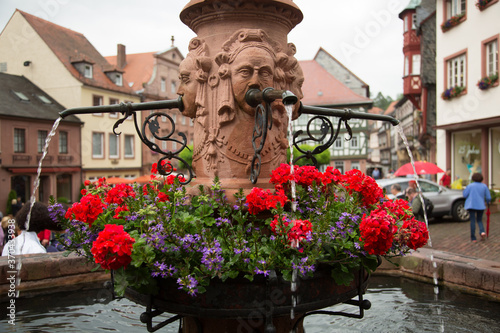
x=452 y=22
x=453 y=92
x=483 y=4
x=488 y=81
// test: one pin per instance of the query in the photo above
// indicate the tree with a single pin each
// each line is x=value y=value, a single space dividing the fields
x=382 y=101
x=187 y=155
x=322 y=158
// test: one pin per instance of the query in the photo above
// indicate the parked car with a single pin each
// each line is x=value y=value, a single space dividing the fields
x=445 y=201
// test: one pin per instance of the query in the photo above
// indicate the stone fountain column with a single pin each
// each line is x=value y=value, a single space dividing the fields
x=239 y=45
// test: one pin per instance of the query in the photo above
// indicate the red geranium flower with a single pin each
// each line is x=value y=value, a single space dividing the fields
x=356 y=181
x=120 y=209
x=113 y=247
x=416 y=233
x=118 y=193
x=259 y=200
x=87 y=210
x=299 y=231
x=377 y=232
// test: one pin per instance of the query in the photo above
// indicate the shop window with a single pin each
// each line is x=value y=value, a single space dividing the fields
x=467 y=154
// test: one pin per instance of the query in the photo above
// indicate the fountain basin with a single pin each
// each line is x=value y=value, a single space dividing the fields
x=235 y=298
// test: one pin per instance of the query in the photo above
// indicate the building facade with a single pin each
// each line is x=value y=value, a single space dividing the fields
x=65 y=64
x=468 y=103
x=154 y=76
x=27 y=117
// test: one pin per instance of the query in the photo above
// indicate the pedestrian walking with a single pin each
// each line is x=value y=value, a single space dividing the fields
x=476 y=194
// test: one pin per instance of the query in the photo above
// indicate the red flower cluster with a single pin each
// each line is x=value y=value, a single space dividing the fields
x=259 y=200
x=416 y=233
x=299 y=231
x=113 y=247
x=120 y=209
x=171 y=178
x=377 y=232
x=399 y=209
x=87 y=210
x=356 y=181
x=331 y=175
x=302 y=175
x=165 y=166
x=118 y=193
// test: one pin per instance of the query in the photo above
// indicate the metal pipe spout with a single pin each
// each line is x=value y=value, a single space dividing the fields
x=126 y=108
x=255 y=97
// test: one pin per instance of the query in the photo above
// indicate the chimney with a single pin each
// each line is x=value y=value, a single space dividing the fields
x=121 y=59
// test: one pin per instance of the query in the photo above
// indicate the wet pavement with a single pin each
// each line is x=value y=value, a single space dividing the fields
x=454 y=237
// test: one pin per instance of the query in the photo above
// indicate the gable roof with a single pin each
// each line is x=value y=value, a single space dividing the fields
x=70 y=46
x=34 y=108
x=341 y=64
x=323 y=89
x=138 y=69
x=139 y=66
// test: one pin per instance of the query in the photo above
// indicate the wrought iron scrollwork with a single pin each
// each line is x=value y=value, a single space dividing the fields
x=263 y=123
x=152 y=124
x=326 y=128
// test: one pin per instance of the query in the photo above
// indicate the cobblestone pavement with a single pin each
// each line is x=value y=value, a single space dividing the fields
x=450 y=236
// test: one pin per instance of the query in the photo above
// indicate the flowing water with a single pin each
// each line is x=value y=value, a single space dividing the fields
x=293 y=283
x=36 y=184
x=398 y=305
x=399 y=128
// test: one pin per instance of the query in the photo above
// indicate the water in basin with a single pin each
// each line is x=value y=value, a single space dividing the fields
x=398 y=305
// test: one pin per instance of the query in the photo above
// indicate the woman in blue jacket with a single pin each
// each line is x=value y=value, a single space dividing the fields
x=475 y=195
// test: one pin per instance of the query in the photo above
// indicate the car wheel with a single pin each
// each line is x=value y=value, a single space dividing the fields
x=459 y=212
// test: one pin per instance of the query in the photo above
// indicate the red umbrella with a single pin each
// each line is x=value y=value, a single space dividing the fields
x=422 y=168
x=488 y=221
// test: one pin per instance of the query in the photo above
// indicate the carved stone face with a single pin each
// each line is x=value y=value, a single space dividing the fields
x=188 y=86
x=252 y=68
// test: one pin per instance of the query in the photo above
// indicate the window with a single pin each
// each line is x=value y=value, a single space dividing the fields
x=354 y=141
x=87 y=71
x=113 y=101
x=173 y=87
x=163 y=84
x=97 y=101
x=405 y=22
x=183 y=120
x=114 y=146
x=97 y=145
x=119 y=79
x=164 y=145
x=354 y=165
x=456 y=69
x=44 y=99
x=42 y=136
x=63 y=142
x=455 y=7
x=129 y=146
x=413 y=23
x=21 y=96
x=415 y=64
x=3 y=67
x=407 y=66
x=339 y=142
x=339 y=165
x=491 y=52
x=19 y=140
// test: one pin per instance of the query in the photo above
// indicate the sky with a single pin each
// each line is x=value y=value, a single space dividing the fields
x=366 y=36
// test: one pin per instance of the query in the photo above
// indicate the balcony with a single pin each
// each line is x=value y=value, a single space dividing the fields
x=17 y=158
x=47 y=159
x=412 y=85
x=63 y=159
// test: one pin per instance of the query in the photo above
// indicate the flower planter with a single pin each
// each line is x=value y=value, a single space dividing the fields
x=246 y=303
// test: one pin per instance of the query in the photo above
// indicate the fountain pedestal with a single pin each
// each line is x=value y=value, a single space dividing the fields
x=239 y=45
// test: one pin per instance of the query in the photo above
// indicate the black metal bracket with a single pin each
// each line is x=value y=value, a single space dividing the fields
x=153 y=125
x=147 y=317
x=262 y=100
x=362 y=304
x=326 y=127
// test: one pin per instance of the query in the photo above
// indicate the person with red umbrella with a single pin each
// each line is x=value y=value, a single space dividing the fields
x=476 y=194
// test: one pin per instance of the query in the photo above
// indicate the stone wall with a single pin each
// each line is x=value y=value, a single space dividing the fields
x=49 y=273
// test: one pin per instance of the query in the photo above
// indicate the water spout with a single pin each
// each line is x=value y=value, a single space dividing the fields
x=126 y=108
x=255 y=97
